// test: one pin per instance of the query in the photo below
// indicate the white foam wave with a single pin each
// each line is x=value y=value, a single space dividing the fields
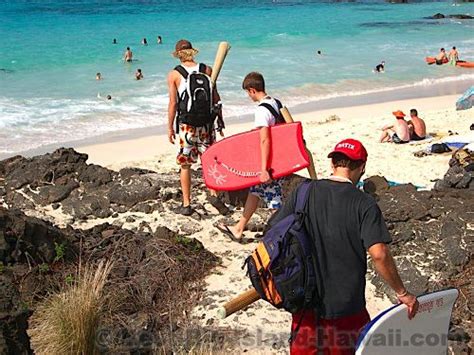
x=28 y=124
x=358 y=88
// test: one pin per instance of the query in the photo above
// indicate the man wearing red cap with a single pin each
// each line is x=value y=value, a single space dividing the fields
x=345 y=223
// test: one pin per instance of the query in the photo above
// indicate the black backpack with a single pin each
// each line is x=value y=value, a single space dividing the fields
x=278 y=116
x=195 y=106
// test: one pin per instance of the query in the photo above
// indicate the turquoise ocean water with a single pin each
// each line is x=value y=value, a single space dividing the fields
x=51 y=50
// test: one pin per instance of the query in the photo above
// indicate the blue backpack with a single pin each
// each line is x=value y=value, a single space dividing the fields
x=282 y=268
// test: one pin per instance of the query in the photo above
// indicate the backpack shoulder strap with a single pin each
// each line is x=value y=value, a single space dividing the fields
x=302 y=196
x=180 y=69
x=202 y=68
x=279 y=104
x=280 y=118
x=271 y=109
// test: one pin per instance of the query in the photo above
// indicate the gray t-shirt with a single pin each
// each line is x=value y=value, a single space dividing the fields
x=343 y=222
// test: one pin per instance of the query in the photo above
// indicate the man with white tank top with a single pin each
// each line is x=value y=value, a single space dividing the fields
x=194 y=139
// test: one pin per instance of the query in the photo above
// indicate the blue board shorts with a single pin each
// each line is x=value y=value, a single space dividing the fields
x=269 y=193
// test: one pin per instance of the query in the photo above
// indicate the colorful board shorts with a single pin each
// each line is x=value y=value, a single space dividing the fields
x=270 y=193
x=193 y=141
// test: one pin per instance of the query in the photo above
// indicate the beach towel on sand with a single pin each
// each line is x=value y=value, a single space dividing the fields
x=427 y=139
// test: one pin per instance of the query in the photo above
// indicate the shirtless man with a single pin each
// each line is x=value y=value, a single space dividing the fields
x=416 y=126
x=453 y=56
x=441 y=58
x=128 y=55
x=398 y=131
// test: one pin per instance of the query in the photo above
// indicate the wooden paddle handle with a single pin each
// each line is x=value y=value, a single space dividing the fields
x=222 y=51
x=238 y=303
x=286 y=115
x=311 y=170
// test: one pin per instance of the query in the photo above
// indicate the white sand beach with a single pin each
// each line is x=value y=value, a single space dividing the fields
x=322 y=130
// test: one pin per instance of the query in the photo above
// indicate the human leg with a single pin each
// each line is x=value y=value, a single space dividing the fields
x=216 y=202
x=269 y=193
x=250 y=207
x=303 y=330
x=185 y=178
x=340 y=335
x=204 y=138
x=236 y=231
x=187 y=155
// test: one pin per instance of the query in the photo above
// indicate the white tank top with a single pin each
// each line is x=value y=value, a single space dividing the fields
x=182 y=82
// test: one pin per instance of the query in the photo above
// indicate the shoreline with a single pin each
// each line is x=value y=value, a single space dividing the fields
x=322 y=129
x=327 y=103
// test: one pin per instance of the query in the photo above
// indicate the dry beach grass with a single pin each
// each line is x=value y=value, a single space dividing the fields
x=67 y=322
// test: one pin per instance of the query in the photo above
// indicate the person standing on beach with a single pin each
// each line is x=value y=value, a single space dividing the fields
x=344 y=223
x=128 y=55
x=416 y=126
x=194 y=136
x=267 y=114
x=397 y=132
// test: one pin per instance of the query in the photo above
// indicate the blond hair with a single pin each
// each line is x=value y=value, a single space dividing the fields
x=186 y=55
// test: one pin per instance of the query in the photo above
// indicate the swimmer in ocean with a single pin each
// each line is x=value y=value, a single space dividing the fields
x=98 y=76
x=128 y=56
x=107 y=98
x=380 y=68
x=144 y=42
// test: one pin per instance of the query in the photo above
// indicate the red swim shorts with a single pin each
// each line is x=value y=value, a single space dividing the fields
x=329 y=336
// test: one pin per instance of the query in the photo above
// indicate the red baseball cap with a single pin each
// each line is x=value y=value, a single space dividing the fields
x=351 y=148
